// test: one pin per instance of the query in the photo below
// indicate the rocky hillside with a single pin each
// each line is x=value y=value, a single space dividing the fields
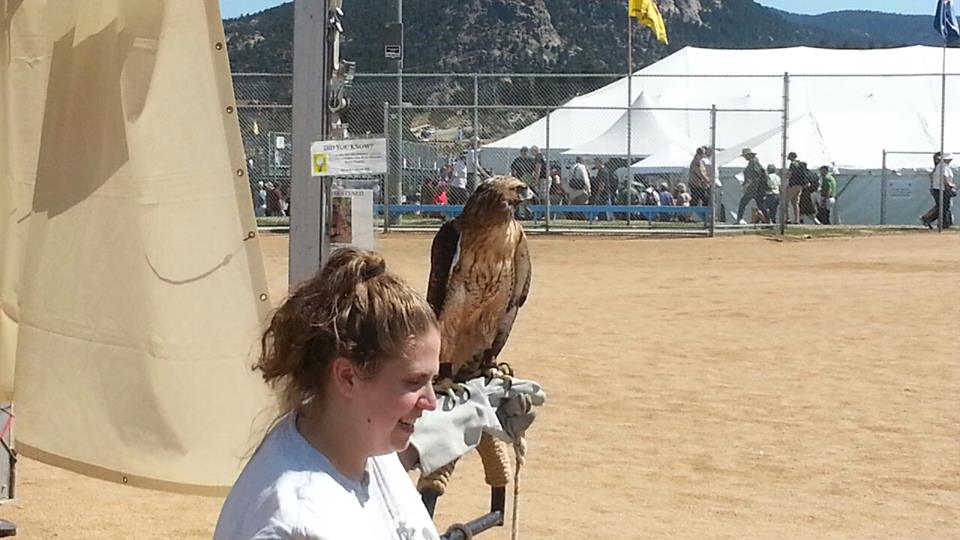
x=544 y=35
x=872 y=27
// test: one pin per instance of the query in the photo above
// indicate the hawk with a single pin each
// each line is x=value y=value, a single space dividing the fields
x=479 y=279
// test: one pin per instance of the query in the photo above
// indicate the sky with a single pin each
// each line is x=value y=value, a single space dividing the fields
x=234 y=8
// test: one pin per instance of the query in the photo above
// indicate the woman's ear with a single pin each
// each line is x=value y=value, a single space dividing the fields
x=344 y=376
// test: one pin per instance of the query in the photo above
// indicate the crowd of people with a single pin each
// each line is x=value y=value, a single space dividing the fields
x=455 y=181
x=270 y=200
x=581 y=184
x=810 y=195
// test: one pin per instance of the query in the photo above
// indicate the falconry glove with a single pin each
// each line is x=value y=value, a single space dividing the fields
x=503 y=409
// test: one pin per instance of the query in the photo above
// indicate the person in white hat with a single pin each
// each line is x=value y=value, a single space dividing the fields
x=941 y=179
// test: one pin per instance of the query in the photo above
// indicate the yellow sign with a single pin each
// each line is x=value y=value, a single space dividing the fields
x=319 y=163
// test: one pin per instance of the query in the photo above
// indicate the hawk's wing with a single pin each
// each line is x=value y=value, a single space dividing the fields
x=443 y=255
x=522 y=272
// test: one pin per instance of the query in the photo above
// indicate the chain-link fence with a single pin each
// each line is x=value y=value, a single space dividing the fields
x=451 y=131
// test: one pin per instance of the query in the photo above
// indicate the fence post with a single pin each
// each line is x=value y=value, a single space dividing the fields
x=476 y=125
x=784 y=173
x=629 y=111
x=630 y=134
x=883 y=189
x=546 y=150
x=385 y=192
x=712 y=218
x=400 y=161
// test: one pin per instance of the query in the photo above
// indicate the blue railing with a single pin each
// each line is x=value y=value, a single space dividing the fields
x=539 y=210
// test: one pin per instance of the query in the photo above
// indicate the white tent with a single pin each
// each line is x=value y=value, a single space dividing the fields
x=649 y=130
x=672 y=158
x=864 y=87
x=845 y=106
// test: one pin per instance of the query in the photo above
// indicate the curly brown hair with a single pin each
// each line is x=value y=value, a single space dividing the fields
x=353 y=308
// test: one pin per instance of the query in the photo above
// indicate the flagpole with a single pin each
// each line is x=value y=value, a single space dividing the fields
x=943 y=130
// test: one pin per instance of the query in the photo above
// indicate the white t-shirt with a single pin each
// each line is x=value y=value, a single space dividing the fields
x=942 y=169
x=472 y=162
x=580 y=171
x=289 y=490
x=459 y=174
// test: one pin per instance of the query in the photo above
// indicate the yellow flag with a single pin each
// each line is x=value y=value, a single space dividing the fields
x=648 y=14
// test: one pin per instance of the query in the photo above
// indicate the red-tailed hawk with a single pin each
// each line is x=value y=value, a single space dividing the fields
x=479 y=278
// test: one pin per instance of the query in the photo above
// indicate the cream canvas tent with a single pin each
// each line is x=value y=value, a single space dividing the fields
x=132 y=289
x=848 y=105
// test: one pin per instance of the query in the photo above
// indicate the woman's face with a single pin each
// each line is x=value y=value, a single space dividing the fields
x=399 y=393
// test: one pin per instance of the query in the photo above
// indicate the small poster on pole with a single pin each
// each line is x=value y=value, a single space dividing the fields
x=348 y=157
x=351 y=219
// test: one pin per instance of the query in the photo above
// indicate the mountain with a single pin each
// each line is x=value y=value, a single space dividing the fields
x=555 y=35
x=523 y=36
x=872 y=27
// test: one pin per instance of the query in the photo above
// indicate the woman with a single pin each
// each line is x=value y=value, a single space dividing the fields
x=353 y=353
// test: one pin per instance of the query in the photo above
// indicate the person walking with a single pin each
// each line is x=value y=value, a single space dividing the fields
x=941 y=180
x=771 y=201
x=796 y=177
x=699 y=179
x=828 y=195
x=754 y=183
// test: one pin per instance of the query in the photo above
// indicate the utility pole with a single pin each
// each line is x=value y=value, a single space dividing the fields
x=317 y=98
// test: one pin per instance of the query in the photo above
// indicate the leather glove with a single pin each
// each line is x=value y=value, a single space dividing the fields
x=505 y=410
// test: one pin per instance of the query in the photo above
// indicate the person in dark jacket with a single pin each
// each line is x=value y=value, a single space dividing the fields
x=754 y=183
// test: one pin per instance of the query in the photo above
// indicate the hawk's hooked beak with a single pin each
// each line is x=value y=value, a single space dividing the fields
x=525 y=195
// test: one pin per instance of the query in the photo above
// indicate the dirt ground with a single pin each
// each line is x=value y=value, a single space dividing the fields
x=698 y=388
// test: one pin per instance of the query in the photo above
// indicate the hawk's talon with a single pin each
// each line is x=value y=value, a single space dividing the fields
x=496 y=372
x=505 y=368
x=447 y=387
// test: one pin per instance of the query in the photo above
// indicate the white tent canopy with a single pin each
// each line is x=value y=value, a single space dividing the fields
x=849 y=118
x=649 y=130
x=570 y=126
x=666 y=160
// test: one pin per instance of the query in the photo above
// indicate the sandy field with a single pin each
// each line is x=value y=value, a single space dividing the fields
x=699 y=388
